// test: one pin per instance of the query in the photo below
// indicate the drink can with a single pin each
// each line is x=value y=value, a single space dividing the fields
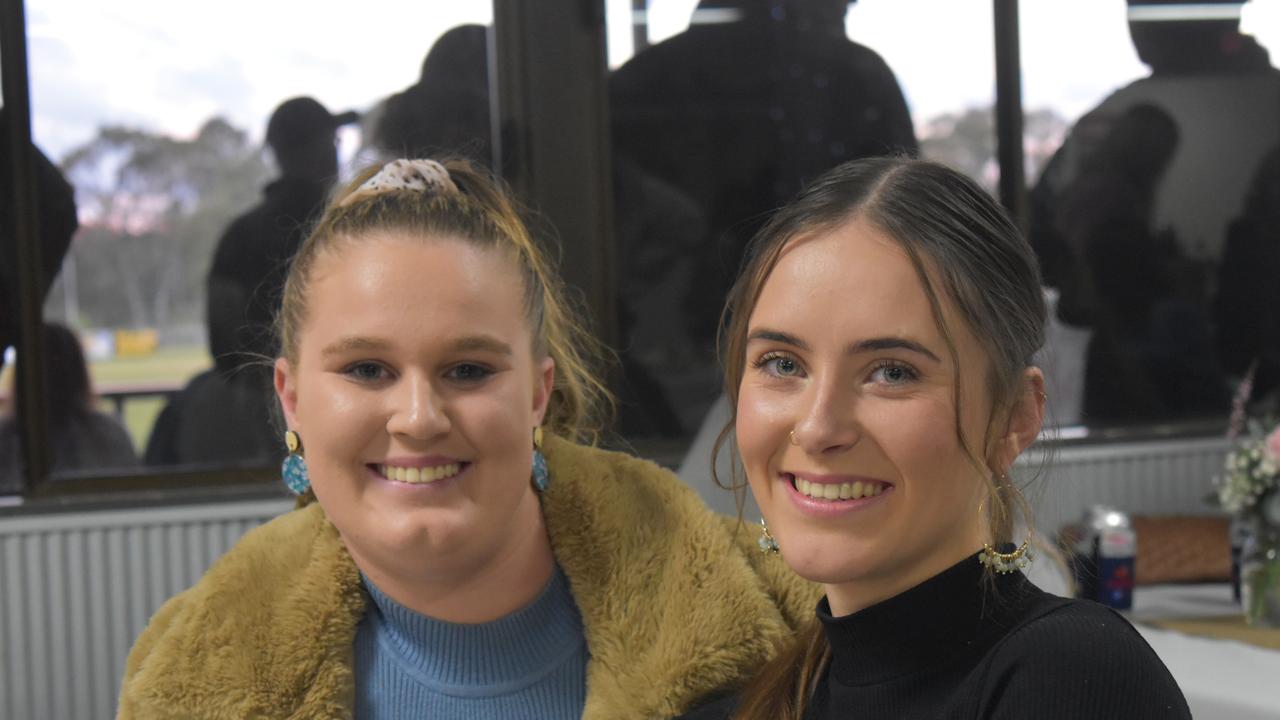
x=1116 y=548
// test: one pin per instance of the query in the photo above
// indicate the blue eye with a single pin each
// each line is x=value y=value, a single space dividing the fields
x=779 y=365
x=892 y=373
x=365 y=371
x=468 y=372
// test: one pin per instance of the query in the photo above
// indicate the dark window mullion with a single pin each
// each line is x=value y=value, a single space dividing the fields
x=30 y=397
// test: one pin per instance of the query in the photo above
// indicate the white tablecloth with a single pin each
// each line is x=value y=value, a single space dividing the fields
x=1222 y=679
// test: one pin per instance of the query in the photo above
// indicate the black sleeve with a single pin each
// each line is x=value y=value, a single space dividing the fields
x=1081 y=661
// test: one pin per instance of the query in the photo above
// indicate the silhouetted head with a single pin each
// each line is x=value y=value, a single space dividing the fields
x=459 y=57
x=68 y=375
x=1142 y=143
x=447 y=111
x=1177 y=36
x=301 y=133
x=802 y=13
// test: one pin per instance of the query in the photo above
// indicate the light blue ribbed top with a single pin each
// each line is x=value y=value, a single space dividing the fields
x=531 y=663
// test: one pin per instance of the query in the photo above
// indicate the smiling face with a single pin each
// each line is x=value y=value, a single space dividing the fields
x=848 y=394
x=415 y=389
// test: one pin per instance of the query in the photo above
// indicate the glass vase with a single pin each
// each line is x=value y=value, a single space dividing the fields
x=1260 y=576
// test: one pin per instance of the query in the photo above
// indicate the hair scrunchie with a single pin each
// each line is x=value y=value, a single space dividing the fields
x=422 y=175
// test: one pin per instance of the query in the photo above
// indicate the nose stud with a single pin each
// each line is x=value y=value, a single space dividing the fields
x=792 y=436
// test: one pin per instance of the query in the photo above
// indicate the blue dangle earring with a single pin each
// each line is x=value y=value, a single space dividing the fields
x=294 y=467
x=541 y=476
x=767 y=544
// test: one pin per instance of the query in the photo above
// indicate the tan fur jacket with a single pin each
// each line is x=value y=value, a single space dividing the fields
x=676 y=603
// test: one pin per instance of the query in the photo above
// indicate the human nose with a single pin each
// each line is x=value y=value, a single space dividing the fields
x=419 y=411
x=828 y=423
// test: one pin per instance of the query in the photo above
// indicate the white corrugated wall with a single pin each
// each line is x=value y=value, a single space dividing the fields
x=77 y=588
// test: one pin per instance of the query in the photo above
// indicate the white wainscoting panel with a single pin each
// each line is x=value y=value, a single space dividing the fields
x=77 y=588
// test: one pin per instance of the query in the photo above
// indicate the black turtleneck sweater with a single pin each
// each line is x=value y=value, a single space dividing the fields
x=960 y=645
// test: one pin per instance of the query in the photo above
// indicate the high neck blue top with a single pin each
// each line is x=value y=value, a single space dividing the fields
x=531 y=663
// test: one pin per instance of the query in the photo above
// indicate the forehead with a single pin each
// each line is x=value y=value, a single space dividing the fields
x=851 y=279
x=398 y=284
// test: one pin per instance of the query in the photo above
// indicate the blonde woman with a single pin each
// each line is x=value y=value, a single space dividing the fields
x=460 y=552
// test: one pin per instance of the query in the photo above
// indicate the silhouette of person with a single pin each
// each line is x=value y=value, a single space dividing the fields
x=249 y=265
x=1221 y=100
x=447 y=111
x=1246 y=309
x=80 y=437
x=224 y=414
x=56 y=224
x=739 y=113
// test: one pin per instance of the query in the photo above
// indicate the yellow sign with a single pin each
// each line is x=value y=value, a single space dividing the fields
x=136 y=343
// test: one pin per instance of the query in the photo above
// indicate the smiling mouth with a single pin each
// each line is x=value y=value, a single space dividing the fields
x=419 y=475
x=836 y=491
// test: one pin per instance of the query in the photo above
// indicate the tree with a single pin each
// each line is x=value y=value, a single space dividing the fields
x=151 y=209
x=967 y=142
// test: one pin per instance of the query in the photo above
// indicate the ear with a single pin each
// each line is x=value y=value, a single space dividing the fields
x=544 y=380
x=287 y=392
x=1026 y=417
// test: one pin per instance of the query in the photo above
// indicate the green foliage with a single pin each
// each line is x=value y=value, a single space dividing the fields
x=152 y=208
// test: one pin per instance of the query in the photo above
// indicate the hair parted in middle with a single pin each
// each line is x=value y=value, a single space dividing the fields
x=965 y=250
x=477 y=208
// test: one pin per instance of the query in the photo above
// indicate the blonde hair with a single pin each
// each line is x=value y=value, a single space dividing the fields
x=478 y=210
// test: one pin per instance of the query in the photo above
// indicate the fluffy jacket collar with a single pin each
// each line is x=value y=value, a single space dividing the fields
x=676 y=603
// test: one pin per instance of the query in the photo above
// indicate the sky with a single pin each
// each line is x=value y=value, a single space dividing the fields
x=168 y=66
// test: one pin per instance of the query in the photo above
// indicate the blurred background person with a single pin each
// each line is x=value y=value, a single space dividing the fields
x=1130 y=217
x=742 y=109
x=224 y=414
x=81 y=437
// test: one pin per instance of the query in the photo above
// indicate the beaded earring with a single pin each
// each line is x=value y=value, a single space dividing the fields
x=767 y=544
x=1006 y=562
x=294 y=467
x=541 y=475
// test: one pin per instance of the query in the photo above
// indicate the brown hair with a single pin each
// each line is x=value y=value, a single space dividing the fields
x=481 y=211
x=951 y=230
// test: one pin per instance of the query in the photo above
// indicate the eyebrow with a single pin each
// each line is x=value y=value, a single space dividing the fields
x=353 y=344
x=467 y=343
x=854 y=348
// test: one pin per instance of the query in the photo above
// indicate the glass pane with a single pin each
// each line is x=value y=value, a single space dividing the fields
x=1156 y=190
x=722 y=111
x=199 y=141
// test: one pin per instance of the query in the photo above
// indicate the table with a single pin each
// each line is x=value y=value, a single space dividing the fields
x=1222 y=679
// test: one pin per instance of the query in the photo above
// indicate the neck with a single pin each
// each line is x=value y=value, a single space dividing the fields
x=481 y=591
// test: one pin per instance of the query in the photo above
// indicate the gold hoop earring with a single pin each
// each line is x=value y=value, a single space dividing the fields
x=1003 y=562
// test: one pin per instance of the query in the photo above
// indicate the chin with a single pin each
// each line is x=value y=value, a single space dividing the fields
x=827 y=563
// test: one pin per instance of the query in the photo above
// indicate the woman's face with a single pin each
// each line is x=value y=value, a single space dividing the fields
x=415 y=392
x=873 y=493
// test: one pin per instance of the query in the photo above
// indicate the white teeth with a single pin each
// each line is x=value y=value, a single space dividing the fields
x=840 y=491
x=419 y=475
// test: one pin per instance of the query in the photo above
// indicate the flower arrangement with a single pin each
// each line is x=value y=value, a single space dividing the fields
x=1248 y=486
